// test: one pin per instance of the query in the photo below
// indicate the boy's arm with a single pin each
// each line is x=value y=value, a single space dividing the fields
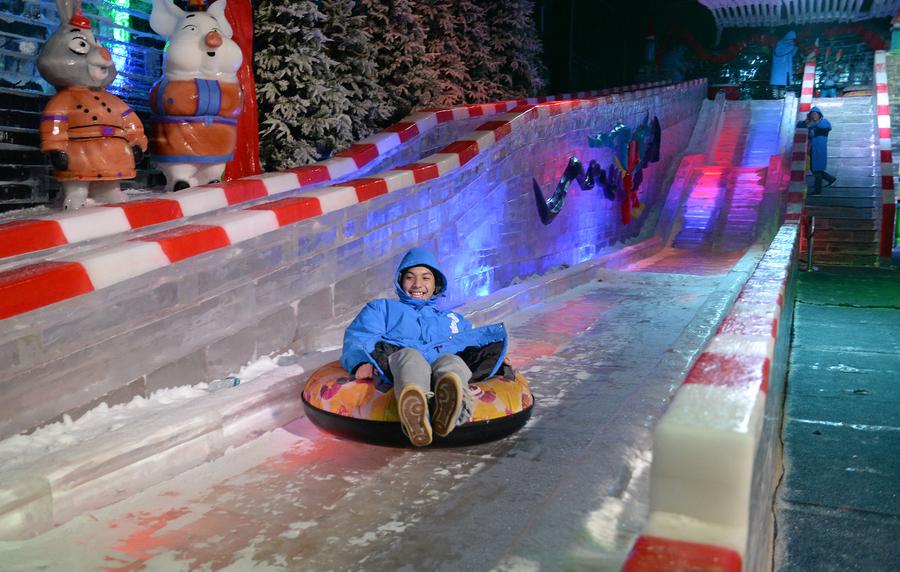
x=360 y=337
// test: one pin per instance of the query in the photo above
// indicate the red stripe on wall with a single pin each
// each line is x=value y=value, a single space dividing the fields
x=148 y=212
x=444 y=115
x=189 y=240
x=465 y=149
x=311 y=174
x=292 y=209
x=884 y=132
x=37 y=285
x=20 y=236
x=243 y=190
x=656 y=554
x=887 y=156
x=361 y=153
x=422 y=171
x=406 y=131
x=881 y=88
x=884 y=110
x=887 y=182
x=730 y=370
x=368 y=188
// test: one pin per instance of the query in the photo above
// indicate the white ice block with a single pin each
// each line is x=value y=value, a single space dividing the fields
x=333 y=198
x=339 y=167
x=397 y=180
x=123 y=261
x=445 y=162
x=244 y=225
x=278 y=182
x=703 y=451
x=89 y=223
x=199 y=200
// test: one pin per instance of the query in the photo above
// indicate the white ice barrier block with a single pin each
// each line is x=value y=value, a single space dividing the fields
x=92 y=223
x=278 y=182
x=333 y=198
x=123 y=261
x=445 y=162
x=339 y=167
x=703 y=451
x=397 y=180
x=384 y=141
x=244 y=225
x=687 y=529
x=200 y=200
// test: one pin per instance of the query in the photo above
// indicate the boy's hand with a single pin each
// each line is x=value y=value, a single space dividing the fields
x=364 y=371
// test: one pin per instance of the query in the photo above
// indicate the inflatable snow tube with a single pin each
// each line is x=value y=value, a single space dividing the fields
x=357 y=409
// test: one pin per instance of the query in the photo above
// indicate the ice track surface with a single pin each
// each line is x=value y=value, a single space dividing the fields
x=567 y=492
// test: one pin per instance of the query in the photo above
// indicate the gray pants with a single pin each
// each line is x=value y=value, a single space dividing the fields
x=409 y=367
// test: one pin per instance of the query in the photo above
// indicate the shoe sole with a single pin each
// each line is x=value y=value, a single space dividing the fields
x=448 y=399
x=413 y=408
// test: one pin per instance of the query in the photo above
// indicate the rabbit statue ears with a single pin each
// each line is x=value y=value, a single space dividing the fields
x=165 y=16
x=70 y=11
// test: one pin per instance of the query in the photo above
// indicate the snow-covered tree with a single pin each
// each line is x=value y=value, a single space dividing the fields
x=515 y=44
x=302 y=106
x=446 y=50
x=404 y=69
x=350 y=46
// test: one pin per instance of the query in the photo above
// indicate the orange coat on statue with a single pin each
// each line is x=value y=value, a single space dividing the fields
x=96 y=130
x=195 y=121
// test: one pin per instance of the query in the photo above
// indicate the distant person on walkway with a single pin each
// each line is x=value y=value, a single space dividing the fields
x=783 y=64
x=424 y=351
x=829 y=81
x=818 y=127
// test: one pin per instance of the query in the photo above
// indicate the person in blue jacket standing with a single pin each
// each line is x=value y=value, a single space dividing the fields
x=783 y=64
x=423 y=351
x=818 y=127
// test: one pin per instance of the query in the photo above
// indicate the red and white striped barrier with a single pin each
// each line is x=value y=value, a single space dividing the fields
x=888 y=197
x=794 y=211
x=705 y=444
x=58 y=229
x=36 y=285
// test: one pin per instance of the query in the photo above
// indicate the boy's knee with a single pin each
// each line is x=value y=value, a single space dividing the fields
x=406 y=356
x=454 y=363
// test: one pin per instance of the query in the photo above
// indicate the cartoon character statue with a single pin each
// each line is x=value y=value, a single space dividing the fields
x=632 y=150
x=92 y=138
x=197 y=102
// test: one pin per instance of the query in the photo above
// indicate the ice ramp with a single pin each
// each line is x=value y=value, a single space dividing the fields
x=199 y=299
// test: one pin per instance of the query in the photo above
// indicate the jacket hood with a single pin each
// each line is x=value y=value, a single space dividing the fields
x=420 y=257
x=790 y=36
x=817 y=110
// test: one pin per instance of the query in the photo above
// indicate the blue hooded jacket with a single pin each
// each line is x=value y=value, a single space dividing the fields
x=818 y=141
x=413 y=323
x=783 y=60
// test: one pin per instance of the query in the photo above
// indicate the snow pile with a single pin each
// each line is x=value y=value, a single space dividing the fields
x=21 y=450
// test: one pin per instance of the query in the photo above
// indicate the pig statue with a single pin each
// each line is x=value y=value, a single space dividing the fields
x=92 y=138
x=197 y=102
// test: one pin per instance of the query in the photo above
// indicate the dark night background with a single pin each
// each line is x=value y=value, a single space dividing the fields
x=595 y=43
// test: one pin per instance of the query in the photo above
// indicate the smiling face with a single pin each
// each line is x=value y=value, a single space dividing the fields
x=418 y=282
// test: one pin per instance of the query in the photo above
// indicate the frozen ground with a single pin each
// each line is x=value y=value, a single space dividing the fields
x=567 y=492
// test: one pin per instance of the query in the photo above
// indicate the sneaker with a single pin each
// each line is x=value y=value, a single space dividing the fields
x=831 y=182
x=413 y=406
x=448 y=401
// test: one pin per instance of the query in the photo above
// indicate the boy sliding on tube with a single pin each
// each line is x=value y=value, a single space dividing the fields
x=423 y=351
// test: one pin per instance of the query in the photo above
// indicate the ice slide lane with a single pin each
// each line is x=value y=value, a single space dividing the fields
x=50 y=231
x=568 y=491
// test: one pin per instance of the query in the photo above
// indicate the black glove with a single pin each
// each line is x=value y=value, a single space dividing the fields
x=59 y=160
x=138 y=154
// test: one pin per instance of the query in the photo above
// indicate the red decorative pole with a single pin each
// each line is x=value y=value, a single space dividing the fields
x=246 y=152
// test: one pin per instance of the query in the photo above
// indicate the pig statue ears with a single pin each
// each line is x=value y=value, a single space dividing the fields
x=165 y=15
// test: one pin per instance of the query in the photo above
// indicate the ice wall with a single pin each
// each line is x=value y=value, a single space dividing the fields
x=299 y=285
